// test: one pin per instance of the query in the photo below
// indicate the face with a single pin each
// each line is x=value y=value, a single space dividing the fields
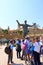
x=37 y=39
x=28 y=38
x=33 y=40
x=25 y=21
x=42 y=39
x=12 y=42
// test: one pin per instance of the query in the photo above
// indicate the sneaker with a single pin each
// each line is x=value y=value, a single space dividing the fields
x=25 y=62
x=12 y=62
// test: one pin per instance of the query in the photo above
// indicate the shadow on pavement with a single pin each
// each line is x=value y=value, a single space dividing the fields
x=17 y=64
x=41 y=63
x=23 y=64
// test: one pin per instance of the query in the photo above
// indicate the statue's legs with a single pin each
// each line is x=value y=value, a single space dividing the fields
x=24 y=35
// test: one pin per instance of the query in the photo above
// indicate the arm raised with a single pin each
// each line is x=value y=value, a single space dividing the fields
x=30 y=25
x=17 y=22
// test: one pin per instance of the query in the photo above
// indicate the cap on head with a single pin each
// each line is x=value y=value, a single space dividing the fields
x=27 y=37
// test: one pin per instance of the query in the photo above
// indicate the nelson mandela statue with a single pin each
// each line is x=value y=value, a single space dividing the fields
x=25 y=27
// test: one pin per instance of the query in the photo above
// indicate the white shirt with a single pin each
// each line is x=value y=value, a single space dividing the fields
x=26 y=41
x=41 y=43
x=37 y=47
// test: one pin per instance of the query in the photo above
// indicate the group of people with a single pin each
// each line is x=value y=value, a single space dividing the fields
x=31 y=49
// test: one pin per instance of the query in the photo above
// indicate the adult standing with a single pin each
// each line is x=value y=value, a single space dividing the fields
x=27 y=49
x=10 y=55
x=41 y=42
x=36 y=51
x=18 y=48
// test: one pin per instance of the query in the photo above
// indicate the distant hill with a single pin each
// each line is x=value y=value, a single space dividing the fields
x=12 y=34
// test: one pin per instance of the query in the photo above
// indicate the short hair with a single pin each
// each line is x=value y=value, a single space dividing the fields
x=25 y=21
x=37 y=38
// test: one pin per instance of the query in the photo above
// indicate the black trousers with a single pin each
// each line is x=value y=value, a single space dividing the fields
x=18 y=54
x=10 y=57
x=36 y=58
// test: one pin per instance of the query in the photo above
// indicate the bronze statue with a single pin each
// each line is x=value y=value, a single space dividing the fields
x=25 y=27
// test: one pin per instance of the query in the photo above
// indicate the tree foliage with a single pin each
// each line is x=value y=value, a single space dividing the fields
x=5 y=31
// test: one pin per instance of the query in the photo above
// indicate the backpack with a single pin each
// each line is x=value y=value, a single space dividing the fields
x=18 y=48
x=23 y=46
x=32 y=48
x=7 y=50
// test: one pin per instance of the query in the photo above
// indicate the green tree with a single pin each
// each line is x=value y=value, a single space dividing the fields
x=19 y=32
x=5 y=31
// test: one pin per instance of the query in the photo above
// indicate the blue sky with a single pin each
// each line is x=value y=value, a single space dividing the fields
x=12 y=10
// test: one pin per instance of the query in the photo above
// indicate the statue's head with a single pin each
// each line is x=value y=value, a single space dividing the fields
x=25 y=21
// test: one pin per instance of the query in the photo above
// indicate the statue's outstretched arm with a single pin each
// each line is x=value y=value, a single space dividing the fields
x=30 y=25
x=19 y=23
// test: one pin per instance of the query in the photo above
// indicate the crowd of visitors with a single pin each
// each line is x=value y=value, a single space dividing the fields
x=31 y=50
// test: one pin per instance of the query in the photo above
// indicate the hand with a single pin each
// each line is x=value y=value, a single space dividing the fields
x=17 y=22
x=34 y=24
